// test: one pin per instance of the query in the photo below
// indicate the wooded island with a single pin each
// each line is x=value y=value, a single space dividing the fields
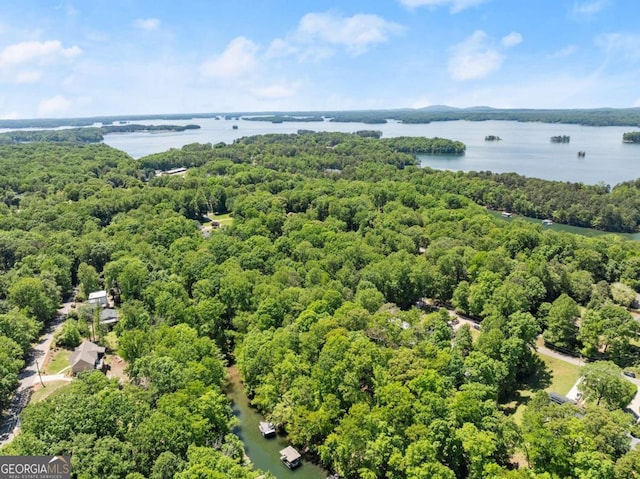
x=631 y=137
x=85 y=134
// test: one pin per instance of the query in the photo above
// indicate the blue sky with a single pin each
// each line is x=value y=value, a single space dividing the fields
x=110 y=57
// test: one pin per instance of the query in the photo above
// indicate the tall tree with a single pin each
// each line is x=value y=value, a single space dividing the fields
x=561 y=322
x=603 y=382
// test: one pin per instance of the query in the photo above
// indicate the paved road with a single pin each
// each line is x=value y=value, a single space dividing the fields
x=545 y=351
x=29 y=376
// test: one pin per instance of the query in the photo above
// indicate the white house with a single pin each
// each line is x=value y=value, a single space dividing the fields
x=99 y=298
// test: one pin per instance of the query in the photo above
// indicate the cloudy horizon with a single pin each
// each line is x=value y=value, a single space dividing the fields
x=73 y=59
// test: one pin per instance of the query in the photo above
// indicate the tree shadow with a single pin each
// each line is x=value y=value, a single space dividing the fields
x=538 y=380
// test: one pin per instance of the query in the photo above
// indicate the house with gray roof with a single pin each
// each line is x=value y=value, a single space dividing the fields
x=109 y=317
x=86 y=357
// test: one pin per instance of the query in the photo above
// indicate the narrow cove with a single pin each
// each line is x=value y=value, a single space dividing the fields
x=264 y=453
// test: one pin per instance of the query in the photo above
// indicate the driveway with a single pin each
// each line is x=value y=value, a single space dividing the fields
x=634 y=405
x=573 y=393
x=29 y=375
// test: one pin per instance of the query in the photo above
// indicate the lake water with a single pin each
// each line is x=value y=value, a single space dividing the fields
x=264 y=453
x=525 y=147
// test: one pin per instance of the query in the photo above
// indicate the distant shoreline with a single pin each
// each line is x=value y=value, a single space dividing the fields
x=586 y=117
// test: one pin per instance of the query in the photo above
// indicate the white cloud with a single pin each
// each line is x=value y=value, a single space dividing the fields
x=474 y=58
x=239 y=58
x=279 y=48
x=274 y=92
x=84 y=100
x=28 y=76
x=564 y=52
x=621 y=46
x=320 y=35
x=455 y=6
x=511 y=40
x=589 y=8
x=53 y=106
x=26 y=52
x=147 y=23
x=69 y=9
x=551 y=89
x=356 y=33
x=422 y=102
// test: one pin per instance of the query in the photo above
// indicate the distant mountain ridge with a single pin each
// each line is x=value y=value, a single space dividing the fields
x=446 y=108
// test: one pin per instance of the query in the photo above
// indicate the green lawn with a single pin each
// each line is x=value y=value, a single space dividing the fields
x=50 y=388
x=224 y=220
x=58 y=363
x=563 y=375
x=554 y=375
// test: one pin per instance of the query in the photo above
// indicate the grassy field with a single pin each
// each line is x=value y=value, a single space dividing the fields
x=224 y=220
x=59 y=361
x=42 y=393
x=563 y=375
x=554 y=375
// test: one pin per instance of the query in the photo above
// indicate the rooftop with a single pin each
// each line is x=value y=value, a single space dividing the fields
x=266 y=428
x=290 y=454
x=98 y=294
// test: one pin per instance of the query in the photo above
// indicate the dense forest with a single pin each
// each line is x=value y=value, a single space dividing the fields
x=425 y=146
x=84 y=135
x=316 y=291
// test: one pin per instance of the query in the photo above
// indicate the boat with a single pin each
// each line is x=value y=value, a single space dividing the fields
x=267 y=429
x=290 y=457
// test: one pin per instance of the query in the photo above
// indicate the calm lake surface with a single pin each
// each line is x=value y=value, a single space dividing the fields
x=264 y=453
x=525 y=147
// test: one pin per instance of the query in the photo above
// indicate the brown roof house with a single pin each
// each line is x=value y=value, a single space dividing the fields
x=86 y=357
